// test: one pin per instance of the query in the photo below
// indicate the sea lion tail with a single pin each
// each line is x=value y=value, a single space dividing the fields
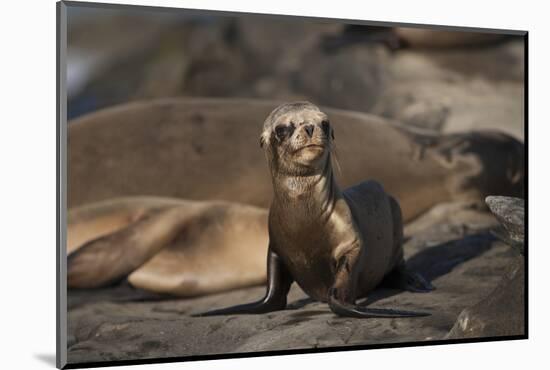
x=346 y=310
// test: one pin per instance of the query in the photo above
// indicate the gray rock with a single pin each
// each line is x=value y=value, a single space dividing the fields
x=352 y=78
x=71 y=340
x=510 y=212
x=502 y=313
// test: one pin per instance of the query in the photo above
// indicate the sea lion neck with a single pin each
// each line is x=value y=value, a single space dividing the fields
x=316 y=192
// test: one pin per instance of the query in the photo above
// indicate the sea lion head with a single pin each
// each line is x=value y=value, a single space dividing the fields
x=297 y=138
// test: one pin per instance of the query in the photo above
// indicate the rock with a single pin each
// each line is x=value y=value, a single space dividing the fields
x=510 y=213
x=352 y=78
x=502 y=313
x=71 y=340
x=266 y=41
x=456 y=90
x=465 y=263
x=117 y=35
x=216 y=65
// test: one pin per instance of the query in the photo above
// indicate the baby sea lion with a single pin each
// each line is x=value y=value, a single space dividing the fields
x=337 y=245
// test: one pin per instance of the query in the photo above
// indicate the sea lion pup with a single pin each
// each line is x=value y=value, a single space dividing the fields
x=336 y=245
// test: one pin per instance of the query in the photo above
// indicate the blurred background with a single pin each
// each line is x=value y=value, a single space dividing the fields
x=437 y=80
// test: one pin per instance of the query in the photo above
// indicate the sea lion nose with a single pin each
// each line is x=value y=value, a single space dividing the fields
x=309 y=129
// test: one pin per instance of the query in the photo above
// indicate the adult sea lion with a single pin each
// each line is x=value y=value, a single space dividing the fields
x=205 y=149
x=165 y=245
x=336 y=245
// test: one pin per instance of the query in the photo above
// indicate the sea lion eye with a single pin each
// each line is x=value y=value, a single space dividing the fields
x=326 y=127
x=283 y=131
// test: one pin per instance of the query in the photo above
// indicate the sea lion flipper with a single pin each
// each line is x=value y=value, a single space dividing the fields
x=279 y=280
x=342 y=302
x=262 y=306
x=352 y=310
x=110 y=258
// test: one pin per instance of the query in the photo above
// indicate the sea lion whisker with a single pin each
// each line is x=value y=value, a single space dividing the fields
x=335 y=158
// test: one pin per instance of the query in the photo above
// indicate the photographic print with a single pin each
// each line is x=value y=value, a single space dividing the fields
x=241 y=184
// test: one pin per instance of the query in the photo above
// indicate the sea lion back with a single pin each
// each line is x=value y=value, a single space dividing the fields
x=378 y=219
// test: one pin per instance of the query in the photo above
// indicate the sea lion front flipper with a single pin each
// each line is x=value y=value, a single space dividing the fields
x=338 y=303
x=278 y=285
x=351 y=310
x=341 y=298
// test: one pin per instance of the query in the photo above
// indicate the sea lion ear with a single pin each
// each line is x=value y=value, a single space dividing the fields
x=261 y=141
x=332 y=134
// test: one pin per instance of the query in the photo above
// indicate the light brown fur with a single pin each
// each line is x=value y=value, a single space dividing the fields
x=167 y=245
